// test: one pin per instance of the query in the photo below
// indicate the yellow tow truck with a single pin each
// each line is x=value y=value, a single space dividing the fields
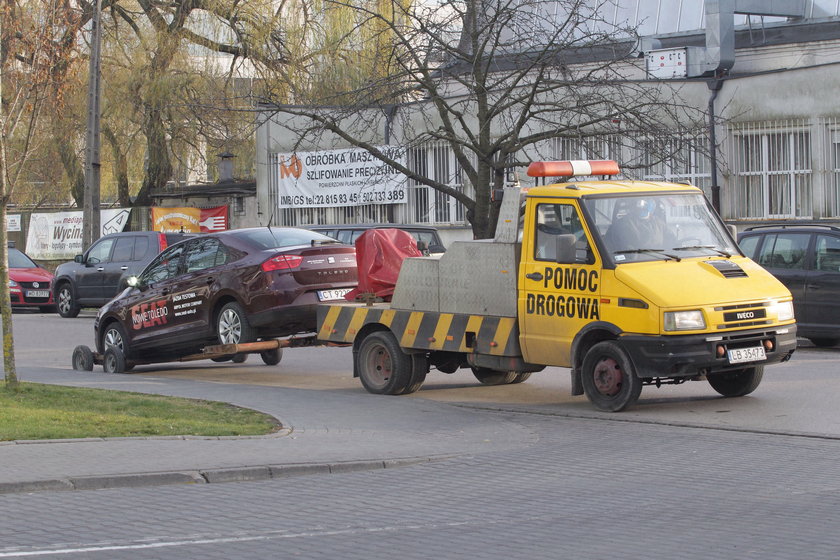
x=627 y=283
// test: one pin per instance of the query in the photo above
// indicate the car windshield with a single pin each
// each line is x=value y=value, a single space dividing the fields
x=19 y=260
x=668 y=226
x=275 y=238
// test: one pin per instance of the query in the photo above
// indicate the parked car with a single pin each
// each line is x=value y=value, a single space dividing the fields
x=806 y=258
x=95 y=277
x=348 y=233
x=30 y=285
x=230 y=287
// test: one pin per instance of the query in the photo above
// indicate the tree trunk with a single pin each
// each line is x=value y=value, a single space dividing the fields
x=73 y=169
x=158 y=163
x=120 y=167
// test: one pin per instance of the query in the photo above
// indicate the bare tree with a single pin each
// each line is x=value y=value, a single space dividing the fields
x=495 y=80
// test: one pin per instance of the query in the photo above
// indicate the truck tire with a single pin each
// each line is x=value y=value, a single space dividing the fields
x=420 y=366
x=489 y=376
x=609 y=378
x=521 y=376
x=383 y=367
x=737 y=383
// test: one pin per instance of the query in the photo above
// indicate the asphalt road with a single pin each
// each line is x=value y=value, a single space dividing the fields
x=684 y=474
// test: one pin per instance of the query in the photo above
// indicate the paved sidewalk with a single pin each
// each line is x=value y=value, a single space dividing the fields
x=323 y=431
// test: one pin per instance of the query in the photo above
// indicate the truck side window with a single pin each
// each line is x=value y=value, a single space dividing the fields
x=560 y=219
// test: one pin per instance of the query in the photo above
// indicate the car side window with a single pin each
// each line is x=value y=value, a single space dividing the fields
x=202 y=254
x=123 y=249
x=100 y=252
x=165 y=266
x=748 y=245
x=784 y=250
x=560 y=219
x=141 y=245
x=828 y=253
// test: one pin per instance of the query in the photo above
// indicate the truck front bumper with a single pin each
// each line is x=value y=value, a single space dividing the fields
x=692 y=355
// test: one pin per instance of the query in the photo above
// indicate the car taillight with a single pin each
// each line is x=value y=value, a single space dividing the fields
x=282 y=262
x=162 y=241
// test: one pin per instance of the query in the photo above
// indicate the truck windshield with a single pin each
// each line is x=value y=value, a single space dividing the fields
x=658 y=227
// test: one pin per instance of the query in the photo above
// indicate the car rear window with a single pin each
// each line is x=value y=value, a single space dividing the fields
x=271 y=238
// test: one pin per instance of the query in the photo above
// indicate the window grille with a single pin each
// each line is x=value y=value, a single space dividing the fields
x=772 y=169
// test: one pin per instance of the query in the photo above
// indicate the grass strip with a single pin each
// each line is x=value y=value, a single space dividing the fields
x=37 y=411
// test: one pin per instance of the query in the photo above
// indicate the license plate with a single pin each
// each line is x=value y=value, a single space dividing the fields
x=38 y=293
x=330 y=295
x=741 y=355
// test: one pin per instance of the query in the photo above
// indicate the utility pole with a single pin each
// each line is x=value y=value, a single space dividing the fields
x=91 y=228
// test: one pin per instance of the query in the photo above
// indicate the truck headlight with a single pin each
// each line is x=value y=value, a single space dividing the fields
x=684 y=320
x=783 y=310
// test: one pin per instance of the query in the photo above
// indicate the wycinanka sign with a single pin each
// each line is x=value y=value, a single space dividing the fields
x=349 y=177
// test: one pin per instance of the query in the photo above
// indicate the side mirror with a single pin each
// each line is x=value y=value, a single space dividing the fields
x=79 y=259
x=565 y=248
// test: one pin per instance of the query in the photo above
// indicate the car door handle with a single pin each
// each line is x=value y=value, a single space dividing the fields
x=534 y=276
x=123 y=268
x=812 y=286
x=100 y=269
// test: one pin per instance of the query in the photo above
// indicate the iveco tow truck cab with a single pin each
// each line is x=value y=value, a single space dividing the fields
x=627 y=283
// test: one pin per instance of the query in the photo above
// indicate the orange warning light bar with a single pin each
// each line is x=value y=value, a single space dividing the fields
x=572 y=168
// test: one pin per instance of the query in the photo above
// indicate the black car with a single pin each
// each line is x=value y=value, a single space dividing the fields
x=230 y=287
x=806 y=259
x=426 y=236
x=95 y=277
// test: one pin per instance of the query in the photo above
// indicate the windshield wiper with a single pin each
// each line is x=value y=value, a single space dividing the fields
x=658 y=251
x=709 y=247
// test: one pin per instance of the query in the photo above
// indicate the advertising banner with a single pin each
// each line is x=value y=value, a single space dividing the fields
x=203 y=220
x=12 y=222
x=349 y=177
x=58 y=235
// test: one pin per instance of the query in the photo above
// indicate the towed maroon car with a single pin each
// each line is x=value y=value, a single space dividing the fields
x=230 y=287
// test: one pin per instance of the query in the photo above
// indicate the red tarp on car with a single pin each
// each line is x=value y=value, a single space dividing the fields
x=379 y=256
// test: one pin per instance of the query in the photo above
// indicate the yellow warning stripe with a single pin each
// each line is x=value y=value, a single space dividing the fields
x=426 y=330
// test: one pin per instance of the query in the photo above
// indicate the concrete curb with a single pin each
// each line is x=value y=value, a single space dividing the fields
x=208 y=476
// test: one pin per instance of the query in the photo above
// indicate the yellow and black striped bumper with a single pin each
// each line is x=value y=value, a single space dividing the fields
x=422 y=330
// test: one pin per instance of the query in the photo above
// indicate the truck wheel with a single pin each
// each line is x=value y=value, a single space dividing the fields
x=272 y=357
x=609 y=379
x=383 y=367
x=493 y=376
x=66 y=303
x=737 y=383
x=82 y=358
x=420 y=366
x=114 y=360
x=239 y=358
x=521 y=376
x=232 y=325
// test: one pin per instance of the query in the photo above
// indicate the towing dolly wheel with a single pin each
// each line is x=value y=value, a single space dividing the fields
x=521 y=377
x=737 y=383
x=82 y=358
x=489 y=376
x=272 y=357
x=383 y=367
x=609 y=378
x=114 y=360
